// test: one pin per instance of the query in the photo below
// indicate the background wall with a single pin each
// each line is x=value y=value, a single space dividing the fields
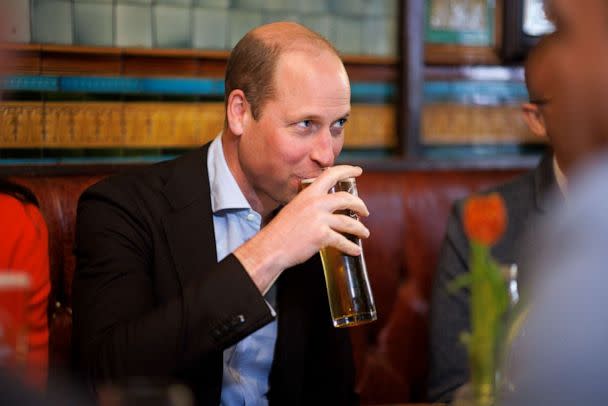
x=354 y=26
x=125 y=80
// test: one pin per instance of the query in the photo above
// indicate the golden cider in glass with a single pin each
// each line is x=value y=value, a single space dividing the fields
x=348 y=289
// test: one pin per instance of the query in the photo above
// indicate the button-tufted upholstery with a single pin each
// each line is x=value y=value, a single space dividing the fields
x=408 y=215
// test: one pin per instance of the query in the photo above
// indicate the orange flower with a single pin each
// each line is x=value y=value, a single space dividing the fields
x=485 y=218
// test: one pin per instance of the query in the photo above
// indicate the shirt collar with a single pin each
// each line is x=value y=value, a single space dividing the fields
x=562 y=181
x=225 y=192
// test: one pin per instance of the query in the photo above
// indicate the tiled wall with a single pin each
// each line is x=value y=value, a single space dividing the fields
x=355 y=26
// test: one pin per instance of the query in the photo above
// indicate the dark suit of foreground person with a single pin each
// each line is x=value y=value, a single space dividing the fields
x=151 y=298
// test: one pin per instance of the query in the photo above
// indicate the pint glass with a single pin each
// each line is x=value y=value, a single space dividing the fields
x=350 y=296
x=14 y=287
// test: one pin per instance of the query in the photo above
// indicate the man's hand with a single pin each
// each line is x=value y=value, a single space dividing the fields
x=304 y=226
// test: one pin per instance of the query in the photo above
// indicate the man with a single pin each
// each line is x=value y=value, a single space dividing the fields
x=527 y=198
x=552 y=355
x=557 y=361
x=182 y=266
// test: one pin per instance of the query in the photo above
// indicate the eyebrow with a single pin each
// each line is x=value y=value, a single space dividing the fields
x=317 y=117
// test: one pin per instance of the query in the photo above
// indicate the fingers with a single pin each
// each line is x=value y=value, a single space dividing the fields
x=345 y=201
x=332 y=175
x=348 y=225
x=343 y=244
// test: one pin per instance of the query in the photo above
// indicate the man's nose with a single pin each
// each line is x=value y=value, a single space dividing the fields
x=322 y=151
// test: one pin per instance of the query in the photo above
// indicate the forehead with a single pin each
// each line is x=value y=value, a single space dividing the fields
x=310 y=74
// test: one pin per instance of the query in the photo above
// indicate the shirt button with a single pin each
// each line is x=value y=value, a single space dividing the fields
x=251 y=217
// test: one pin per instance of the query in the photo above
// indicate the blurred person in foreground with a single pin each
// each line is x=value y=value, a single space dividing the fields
x=203 y=269
x=555 y=352
x=559 y=360
x=528 y=198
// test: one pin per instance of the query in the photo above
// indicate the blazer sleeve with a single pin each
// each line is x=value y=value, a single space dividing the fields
x=24 y=247
x=449 y=315
x=122 y=326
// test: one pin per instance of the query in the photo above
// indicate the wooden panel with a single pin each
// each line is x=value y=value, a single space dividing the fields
x=96 y=124
x=58 y=125
x=21 y=124
x=371 y=73
x=211 y=68
x=159 y=66
x=461 y=55
x=62 y=62
x=448 y=124
x=21 y=58
x=78 y=60
x=117 y=124
x=371 y=126
x=171 y=125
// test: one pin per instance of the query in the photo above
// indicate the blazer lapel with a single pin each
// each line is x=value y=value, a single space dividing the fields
x=189 y=225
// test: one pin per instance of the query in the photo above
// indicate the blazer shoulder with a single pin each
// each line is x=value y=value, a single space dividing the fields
x=144 y=181
x=515 y=189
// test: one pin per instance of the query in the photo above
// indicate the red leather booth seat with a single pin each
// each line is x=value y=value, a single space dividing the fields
x=408 y=209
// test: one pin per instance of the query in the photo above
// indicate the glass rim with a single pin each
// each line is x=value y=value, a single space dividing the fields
x=310 y=180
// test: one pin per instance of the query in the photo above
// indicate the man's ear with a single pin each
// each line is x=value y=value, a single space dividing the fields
x=237 y=112
x=534 y=119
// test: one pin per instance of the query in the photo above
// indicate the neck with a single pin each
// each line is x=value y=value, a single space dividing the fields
x=258 y=201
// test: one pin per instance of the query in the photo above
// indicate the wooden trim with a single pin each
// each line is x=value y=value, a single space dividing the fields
x=102 y=61
x=448 y=54
x=517 y=163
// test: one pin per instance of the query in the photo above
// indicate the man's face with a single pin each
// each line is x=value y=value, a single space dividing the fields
x=578 y=109
x=554 y=111
x=300 y=130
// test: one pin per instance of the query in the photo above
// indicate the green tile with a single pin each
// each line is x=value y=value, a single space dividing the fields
x=347 y=7
x=93 y=24
x=273 y=16
x=133 y=25
x=172 y=27
x=310 y=6
x=210 y=28
x=249 y=4
x=134 y=1
x=347 y=35
x=321 y=24
x=242 y=22
x=52 y=22
x=387 y=8
x=213 y=3
x=276 y=5
x=174 y=2
x=380 y=36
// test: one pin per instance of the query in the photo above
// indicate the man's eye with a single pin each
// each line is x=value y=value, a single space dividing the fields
x=340 y=123
x=304 y=123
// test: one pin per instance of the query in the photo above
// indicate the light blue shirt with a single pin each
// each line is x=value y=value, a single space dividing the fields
x=247 y=364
